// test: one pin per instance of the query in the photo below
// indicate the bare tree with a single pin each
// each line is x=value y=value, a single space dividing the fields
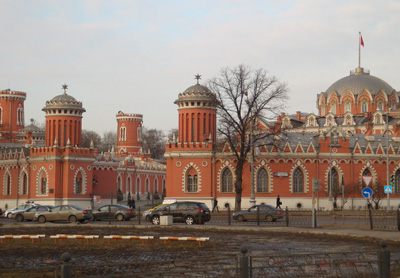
x=340 y=193
x=109 y=140
x=88 y=136
x=243 y=95
x=154 y=140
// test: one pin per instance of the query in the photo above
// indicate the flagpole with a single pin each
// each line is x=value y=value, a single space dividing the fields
x=359 y=49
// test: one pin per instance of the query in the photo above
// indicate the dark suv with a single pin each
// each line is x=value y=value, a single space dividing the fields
x=187 y=212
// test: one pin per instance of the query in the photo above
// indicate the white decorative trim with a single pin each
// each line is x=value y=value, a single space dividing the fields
x=6 y=174
x=72 y=167
x=51 y=167
x=84 y=180
x=300 y=165
x=204 y=164
x=38 y=181
x=270 y=177
x=178 y=164
x=34 y=167
x=220 y=171
x=89 y=168
x=20 y=182
x=339 y=170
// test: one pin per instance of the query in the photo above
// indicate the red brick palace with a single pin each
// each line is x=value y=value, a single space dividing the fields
x=51 y=166
x=345 y=141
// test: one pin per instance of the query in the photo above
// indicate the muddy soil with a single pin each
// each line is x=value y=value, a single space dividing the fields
x=23 y=253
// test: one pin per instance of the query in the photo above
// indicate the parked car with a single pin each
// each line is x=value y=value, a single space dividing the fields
x=119 y=212
x=22 y=207
x=71 y=213
x=147 y=213
x=267 y=212
x=187 y=212
x=29 y=214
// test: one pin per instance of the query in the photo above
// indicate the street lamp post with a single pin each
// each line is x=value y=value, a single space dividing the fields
x=252 y=195
x=387 y=156
x=330 y=168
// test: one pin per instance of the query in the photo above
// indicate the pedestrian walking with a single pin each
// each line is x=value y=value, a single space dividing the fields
x=131 y=203
x=215 y=205
x=278 y=202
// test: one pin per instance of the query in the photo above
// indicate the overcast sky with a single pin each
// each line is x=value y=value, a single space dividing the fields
x=137 y=56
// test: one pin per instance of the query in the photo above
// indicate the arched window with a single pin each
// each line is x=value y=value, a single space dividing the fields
x=335 y=182
x=7 y=184
x=380 y=105
x=227 y=180
x=333 y=107
x=364 y=107
x=139 y=134
x=1 y=115
x=298 y=181
x=397 y=182
x=155 y=185
x=392 y=105
x=146 y=186
x=138 y=186
x=119 y=184
x=24 y=184
x=128 y=187
x=122 y=133
x=347 y=106
x=262 y=181
x=78 y=183
x=191 y=183
x=43 y=184
x=323 y=111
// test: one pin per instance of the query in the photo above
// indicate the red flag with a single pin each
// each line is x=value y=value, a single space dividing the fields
x=361 y=41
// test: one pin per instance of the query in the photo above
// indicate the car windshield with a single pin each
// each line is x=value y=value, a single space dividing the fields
x=20 y=207
x=161 y=207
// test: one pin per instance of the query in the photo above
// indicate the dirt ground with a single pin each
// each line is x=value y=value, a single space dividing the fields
x=22 y=253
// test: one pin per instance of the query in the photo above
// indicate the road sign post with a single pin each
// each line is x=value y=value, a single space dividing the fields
x=315 y=188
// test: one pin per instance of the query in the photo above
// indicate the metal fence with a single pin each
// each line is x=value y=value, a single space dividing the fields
x=381 y=263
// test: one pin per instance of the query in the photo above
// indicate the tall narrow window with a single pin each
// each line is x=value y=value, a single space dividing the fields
x=298 y=181
x=191 y=183
x=227 y=180
x=24 y=184
x=78 y=183
x=193 y=128
x=8 y=185
x=43 y=184
x=155 y=185
x=138 y=186
x=122 y=133
x=333 y=108
x=335 y=182
x=139 y=134
x=262 y=181
x=347 y=106
x=364 y=107
x=380 y=105
x=146 y=186
x=1 y=115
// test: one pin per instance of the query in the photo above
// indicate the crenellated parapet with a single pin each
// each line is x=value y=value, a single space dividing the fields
x=129 y=117
x=7 y=94
x=43 y=151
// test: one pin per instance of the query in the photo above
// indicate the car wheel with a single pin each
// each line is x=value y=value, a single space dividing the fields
x=93 y=218
x=240 y=218
x=72 y=219
x=9 y=215
x=269 y=218
x=155 y=220
x=19 y=218
x=42 y=219
x=189 y=220
x=120 y=217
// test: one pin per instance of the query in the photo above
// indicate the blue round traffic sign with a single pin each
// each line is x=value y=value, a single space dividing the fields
x=367 y=192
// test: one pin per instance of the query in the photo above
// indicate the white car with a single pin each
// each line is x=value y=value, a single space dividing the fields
x=19 y=208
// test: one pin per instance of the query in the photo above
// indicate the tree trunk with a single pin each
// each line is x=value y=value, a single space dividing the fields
x=238 y=184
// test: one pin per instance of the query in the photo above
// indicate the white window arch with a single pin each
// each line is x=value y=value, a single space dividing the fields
x=122 y=133
x=364 y=107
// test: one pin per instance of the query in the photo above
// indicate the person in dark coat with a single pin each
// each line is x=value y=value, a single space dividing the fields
x=215 y=205
x=131 y=203
x=278 y=202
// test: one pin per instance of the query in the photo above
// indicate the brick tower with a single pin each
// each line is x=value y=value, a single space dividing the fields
x=11 y=114
x=190 y=156
x=129 y=136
